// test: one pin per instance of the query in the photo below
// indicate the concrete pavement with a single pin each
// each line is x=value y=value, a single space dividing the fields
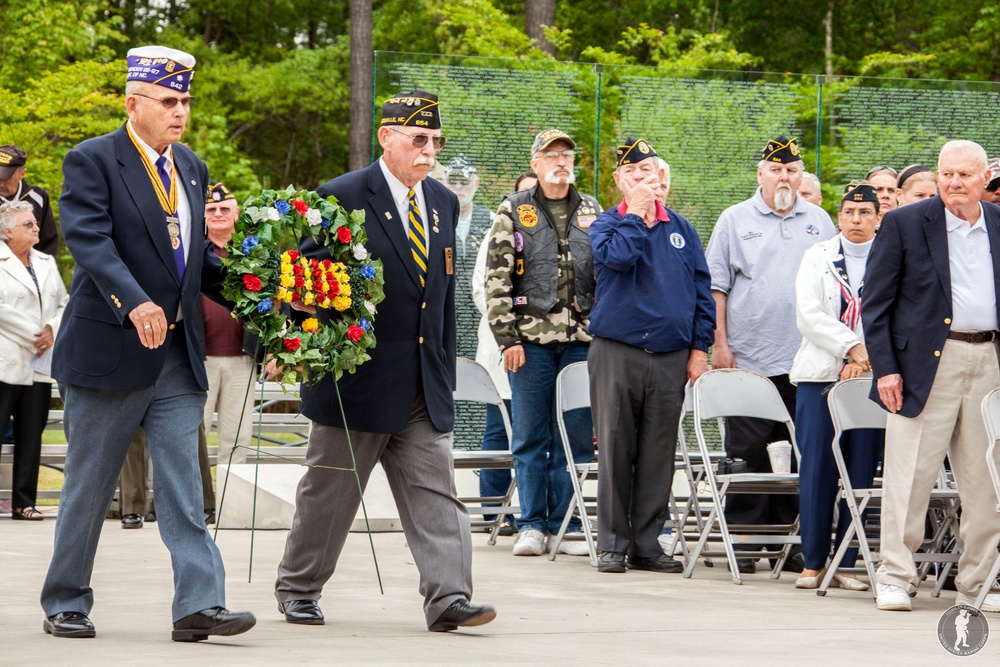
x=561 y=612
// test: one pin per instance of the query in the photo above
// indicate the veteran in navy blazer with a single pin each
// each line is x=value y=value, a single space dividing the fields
x=931 y=309
x=131 y=347
x=398 y=406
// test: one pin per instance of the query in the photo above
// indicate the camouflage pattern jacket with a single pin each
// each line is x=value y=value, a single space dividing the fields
x=540 y=285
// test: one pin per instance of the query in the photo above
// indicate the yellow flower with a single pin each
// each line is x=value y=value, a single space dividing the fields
x=345 y=289
x=312 y=324
x=287 y=280
x=309 y=284
x=325 y=303
x=324 y=287
x=280 y=296
x=341 y=303
x=285 y=259
x=304 y=262
x=308 y=299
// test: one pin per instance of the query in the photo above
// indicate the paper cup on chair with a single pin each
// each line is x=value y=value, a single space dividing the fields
x=780 y=454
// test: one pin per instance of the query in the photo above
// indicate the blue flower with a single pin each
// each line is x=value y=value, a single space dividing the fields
x=364 y=323
x=248 y=244
x=368 y=272
x=283 y=207
x=326 y=222
x=264 y=306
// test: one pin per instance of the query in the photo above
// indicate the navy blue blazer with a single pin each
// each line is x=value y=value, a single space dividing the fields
x=906 y=307
x=414 y=326
x=114 y=227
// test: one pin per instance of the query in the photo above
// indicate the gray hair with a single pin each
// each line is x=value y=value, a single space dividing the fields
x=8 y=216
x=965 y=146
x=812 y=177
x=666 y=169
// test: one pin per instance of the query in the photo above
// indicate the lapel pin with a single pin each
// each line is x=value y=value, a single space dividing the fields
x=194 y=182
x=436 y=219
x=388 y=216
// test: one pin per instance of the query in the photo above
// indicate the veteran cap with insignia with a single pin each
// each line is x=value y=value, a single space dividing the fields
x=416 y=109
x=11 y=157
x=781 y=149
x=993 y=165
x=161 y=65
x=460 y=166
x=546 y=137
x=218 y=192
x=634 y=150
x=860 y=191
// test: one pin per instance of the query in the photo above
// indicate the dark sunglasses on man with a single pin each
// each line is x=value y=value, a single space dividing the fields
x=420 y=140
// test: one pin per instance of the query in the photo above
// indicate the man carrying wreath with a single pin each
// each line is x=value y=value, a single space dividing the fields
x=132 y=345
x=398 y=406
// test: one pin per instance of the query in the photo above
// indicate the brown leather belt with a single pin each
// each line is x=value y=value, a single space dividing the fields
x=973 y=336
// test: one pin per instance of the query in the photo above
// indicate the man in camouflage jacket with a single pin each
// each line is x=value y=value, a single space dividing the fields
x=540 y=288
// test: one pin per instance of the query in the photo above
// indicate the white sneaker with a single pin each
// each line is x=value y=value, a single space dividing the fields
x=530 y=542
x=991 y=603
x=573 y=544
x=892 y=598
x=666 y=542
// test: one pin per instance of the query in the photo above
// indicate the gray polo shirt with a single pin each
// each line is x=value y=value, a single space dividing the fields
x=754 y=256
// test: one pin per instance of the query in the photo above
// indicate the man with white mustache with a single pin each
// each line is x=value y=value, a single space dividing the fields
x=539 y=291
x=754 y=255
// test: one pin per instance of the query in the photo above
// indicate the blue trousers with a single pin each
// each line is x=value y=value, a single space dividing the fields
x=494 y=482
x=818 y=473
x=101 y=426
x=543 y=485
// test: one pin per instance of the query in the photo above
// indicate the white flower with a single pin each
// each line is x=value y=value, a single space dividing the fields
x=313 y=217
x=359 y=252
x=272 y=213
x=370 y=307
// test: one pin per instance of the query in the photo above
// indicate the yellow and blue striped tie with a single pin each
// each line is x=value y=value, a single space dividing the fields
x=418 y=238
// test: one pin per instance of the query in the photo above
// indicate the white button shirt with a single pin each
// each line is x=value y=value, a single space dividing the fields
x=973 y=297
x=401 y=197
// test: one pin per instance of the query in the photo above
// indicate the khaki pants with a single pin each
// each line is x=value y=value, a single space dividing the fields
x=227 y=388
x=914 y=451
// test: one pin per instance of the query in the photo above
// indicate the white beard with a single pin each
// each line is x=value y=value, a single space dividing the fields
x=554 y=180
x=783 y=199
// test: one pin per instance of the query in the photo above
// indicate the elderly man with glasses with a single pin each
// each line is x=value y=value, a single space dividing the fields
x=539 y=290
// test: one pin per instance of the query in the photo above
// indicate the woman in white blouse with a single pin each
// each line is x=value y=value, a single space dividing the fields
x=828 y=292
x=32 y=299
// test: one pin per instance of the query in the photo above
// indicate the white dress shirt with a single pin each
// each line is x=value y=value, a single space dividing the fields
x=973 y=297
x=401 y=197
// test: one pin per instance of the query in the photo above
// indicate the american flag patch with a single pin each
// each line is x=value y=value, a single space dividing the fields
x=521 y=301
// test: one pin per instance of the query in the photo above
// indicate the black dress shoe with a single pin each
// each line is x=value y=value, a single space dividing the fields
x=660 y=563
x=150 y=517
x=463 y=613
x=209 y=517
x=745 y=565
x=302 y=612
x=611 y=561
x=214 y=621
x=69 y=624
x=132 y=521
x=796 y=562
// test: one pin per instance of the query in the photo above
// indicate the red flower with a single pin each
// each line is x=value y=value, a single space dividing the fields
x=252 y=283
x=292 y=344
x=354 y=332
x=300 y=206
x=326 y=264
x=317 y=274
x=334 y=287
x=296 y=296
x=300 y=283
x=313 y=263
x=293 y=255
x=344 y=235
x=298 y=270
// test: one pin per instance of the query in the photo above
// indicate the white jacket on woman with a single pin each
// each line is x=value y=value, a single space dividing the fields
x=21 y=314
x=825 y=339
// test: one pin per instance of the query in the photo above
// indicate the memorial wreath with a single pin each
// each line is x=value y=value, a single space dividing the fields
x=262 y=277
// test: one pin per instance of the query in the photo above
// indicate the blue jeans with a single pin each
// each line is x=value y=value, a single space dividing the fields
x=494 y=482
x=543 y=484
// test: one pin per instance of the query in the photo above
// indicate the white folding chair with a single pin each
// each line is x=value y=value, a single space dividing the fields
x=573 y=393
x=850 y=408
x=991 y=415
x=732 y=392
x=475 y=385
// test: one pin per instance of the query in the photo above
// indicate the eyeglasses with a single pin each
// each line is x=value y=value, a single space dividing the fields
x=878 y=168
x=29 y=225
x=171 y=102
x=420 y=140
x=552 y=155
x=458 y=181
x=865 y=214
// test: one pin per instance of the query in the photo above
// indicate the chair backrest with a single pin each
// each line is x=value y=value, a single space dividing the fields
x=735 y=392
x=991 y=416
x=473 y=383
x=573 y=387
x=850 y=407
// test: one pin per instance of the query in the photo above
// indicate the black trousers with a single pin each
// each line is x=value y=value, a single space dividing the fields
x=747 y=438
x=29 y=406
